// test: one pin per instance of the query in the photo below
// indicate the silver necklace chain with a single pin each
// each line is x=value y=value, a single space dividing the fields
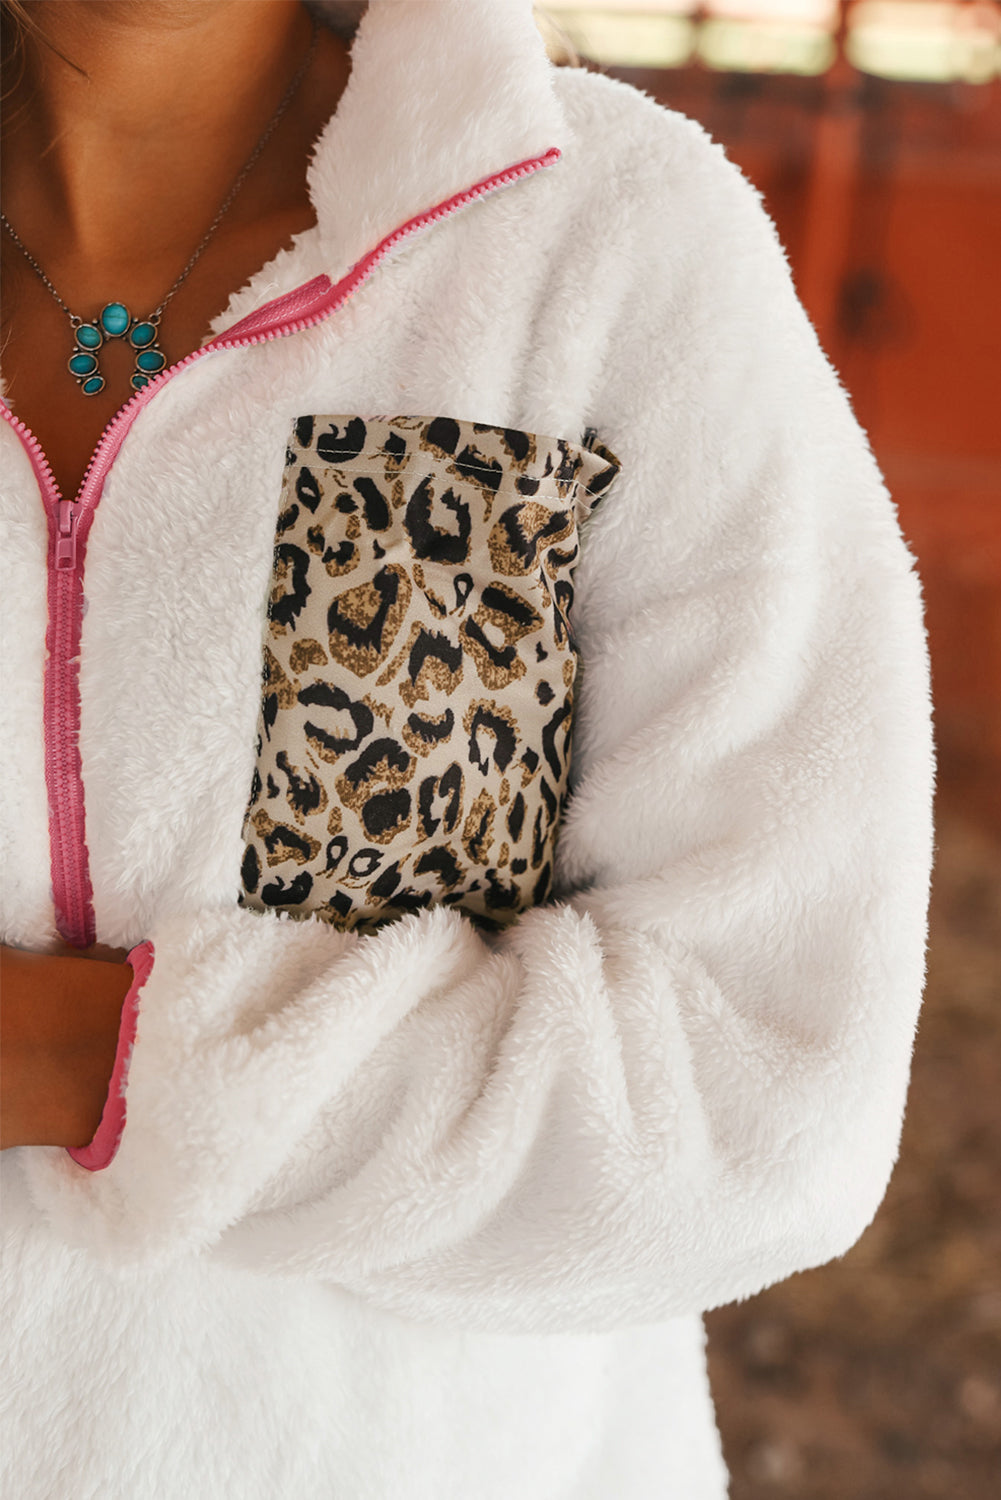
x=276 y=118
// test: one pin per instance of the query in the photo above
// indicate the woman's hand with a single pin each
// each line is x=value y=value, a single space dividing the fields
x=59 y=1020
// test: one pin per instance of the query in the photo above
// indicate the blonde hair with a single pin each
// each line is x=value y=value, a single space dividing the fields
x=559 y=48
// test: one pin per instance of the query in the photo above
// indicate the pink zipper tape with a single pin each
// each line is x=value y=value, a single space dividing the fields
x=100 y=1152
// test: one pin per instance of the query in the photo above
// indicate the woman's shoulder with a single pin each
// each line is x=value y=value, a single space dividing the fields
x=592 y=98
x=651 y=161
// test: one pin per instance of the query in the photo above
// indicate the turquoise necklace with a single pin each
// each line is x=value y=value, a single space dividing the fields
x=115 y=321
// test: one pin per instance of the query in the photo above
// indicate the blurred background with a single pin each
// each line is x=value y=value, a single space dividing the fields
x=873 y=131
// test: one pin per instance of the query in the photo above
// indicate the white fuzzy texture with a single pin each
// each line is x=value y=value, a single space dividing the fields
x=355 y=1168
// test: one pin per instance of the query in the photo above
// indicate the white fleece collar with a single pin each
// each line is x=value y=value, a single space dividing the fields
x=442 y=94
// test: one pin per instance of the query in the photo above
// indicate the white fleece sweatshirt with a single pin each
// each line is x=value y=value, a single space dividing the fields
x=432 y=1210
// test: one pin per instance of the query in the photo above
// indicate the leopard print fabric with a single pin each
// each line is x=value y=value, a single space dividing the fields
x=414 y=734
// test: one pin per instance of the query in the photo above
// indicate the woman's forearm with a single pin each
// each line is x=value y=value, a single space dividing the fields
x=59 y=1022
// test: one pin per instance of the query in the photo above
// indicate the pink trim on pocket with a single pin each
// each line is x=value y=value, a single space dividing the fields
x=101 y=1151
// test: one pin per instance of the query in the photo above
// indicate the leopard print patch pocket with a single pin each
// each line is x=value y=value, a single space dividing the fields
x=419 y=665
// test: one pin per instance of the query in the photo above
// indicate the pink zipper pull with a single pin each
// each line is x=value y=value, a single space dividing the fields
x=65 y=534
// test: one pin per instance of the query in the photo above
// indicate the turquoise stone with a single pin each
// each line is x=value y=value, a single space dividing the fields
x=150 y=360
x=142 y=334
x=89 y=336
x=83 y=364
x=93 y=385
x=115 y=319
x=138 y=381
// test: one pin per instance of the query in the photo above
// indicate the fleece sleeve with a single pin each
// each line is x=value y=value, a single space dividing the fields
x=683 y=1079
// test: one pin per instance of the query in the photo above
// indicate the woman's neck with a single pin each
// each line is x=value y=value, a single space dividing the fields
x=117 y=158
x=131 y=118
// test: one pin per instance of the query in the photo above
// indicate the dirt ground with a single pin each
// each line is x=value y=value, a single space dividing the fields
x=879 y=1377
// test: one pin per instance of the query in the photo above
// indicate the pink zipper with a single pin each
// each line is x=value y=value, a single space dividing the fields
x=69 y=526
